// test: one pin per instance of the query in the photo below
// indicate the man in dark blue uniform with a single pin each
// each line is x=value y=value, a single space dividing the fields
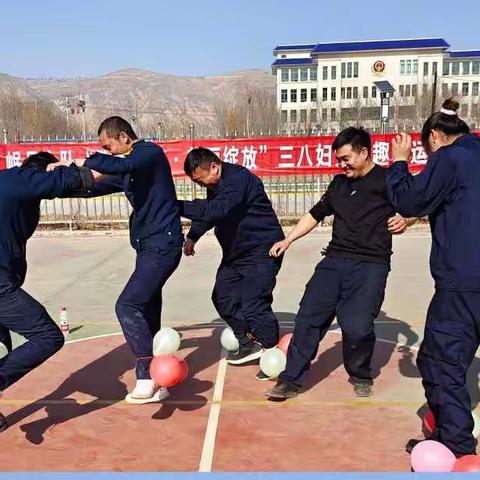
x=21 y=190
x=155 y=233
x=350 y=282
x=245 y=226
x=448 y=191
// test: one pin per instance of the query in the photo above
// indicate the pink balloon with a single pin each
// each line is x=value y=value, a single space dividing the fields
x=285 y=342
x=431 y=456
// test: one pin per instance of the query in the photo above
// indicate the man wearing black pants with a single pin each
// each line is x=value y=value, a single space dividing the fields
x=21 y=190
x=350 y=282
x=245 y=226
x=142 y=171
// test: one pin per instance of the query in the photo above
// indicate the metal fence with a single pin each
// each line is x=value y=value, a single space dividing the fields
x=291 y=197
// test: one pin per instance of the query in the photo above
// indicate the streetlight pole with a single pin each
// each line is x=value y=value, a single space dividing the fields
x=192 y=131
x=81 y=105
x=5 y=136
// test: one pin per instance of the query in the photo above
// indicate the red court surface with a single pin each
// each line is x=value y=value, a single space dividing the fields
x=69 y=414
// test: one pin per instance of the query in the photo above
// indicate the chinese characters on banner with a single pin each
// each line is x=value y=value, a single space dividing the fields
x=263 y=156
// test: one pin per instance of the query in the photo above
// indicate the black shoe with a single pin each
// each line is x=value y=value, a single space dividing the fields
x=362 y=389
x=411 y=444
x=246 y=353
x=3 y=423
x=282 y=390
x=262 y=377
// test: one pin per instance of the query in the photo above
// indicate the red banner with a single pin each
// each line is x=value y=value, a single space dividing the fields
x=263 y=156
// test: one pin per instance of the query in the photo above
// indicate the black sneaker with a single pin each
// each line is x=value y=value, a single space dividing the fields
x=413 y=442
x=3 y=423
x=282 y=390
x=246 y=353
x=362 y=389
x=262 y=377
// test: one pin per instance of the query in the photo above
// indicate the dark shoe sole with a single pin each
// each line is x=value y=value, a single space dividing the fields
x=279 y=396
x=248 y=358
x=265 y=379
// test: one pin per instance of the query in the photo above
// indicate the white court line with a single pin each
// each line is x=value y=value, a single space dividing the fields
x=206 y=459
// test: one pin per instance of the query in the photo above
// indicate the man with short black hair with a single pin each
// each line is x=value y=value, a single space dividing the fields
x=142 y=171
x=21 y=190
x=245 y=226
x=350 y=282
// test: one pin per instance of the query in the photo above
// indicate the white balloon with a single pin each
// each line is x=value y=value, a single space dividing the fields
x=166 y=341
x=228 y=340
x=273 y=362
x=476 y=427
x=3 y=350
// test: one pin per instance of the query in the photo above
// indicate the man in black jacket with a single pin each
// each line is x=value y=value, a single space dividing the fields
x=245 y=226
x=21 y=190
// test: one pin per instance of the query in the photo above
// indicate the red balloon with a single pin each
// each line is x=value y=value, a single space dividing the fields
x=168 y=370
x=429 y=421
x=285 y=342
x=467 y=463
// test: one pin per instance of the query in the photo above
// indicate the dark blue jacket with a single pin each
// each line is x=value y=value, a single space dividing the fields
x=21 y=190
x=241 y=212
x=448 y=191
x=146 y=178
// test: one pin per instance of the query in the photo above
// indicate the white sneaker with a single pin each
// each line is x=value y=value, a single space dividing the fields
x=146 y=391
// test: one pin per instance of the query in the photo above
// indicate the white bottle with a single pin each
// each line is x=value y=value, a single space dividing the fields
x=64 y=326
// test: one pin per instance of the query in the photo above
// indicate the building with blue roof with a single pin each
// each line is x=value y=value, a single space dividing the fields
x=322 y=87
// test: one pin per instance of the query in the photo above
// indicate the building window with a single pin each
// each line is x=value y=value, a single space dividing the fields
x=475 y=68
x=444 y=90
x=454 y=89
x=374 y=92
x=324 y=94
x=313 y=95
x=465 y=89
x=333 y=94
x=475 y=89
x=333 y=113
x=334 y=72
x=324 y=114
x=342 y=93
x=349 y=93
x=284 y=96
x=349 y=70
x=343 y=69
x=446 y=68
x=402 y=67
x=303 y=116
x=303 y=74
x=401 y=90
x=303 y=95
x=294 y=75
x=355 y=92
x=293 y=95
x=407 y=90
x=365 y=92
x=455 y=68
x=408 y=70
x=284 y=116
x=313 y=116
x=313 y=74
x=355 y=69
x=425 y=69
x=465 y=68
x=415 y=66
x=325 y=73
x=434 y=68
x=293 y=116
x=284 y=74
x=414 y=90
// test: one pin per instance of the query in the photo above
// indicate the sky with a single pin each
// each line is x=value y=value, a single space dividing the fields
x=70 y=38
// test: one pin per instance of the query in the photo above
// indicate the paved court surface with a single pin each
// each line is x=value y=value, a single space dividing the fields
x=69 y=414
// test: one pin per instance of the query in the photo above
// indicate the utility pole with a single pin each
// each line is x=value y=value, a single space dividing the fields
x=81 y=105
x=434 y=92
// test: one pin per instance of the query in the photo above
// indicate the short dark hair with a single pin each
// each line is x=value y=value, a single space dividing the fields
x=358 y=138
x=449 y=124
x=199 y=157
x=39 y=160
x=114 y=126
